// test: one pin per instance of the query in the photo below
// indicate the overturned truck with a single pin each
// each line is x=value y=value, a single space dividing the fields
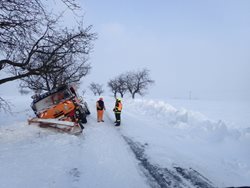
x=60 y=109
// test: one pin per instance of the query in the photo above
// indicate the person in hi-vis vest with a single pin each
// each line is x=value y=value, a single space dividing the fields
x=117 y=110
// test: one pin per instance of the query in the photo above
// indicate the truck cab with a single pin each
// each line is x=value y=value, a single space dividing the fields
x=62 y=103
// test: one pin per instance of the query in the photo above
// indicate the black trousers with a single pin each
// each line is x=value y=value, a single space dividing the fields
x=118 y=118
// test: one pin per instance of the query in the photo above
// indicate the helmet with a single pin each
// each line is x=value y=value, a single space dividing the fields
x=119 y=99
x=101 y=98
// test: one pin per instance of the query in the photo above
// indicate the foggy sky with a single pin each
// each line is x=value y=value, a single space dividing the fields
x=197 y=47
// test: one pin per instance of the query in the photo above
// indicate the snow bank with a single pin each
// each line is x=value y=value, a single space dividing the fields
x=165 y=114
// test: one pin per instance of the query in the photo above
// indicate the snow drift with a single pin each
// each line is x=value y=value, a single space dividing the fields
x=170 y=140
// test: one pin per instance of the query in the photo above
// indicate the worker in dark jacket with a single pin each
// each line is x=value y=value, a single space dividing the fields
x=117 y=110
x=100 y=107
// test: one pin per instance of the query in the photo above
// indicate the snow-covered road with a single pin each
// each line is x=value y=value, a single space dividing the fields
x=107 y=158
x=31 y=157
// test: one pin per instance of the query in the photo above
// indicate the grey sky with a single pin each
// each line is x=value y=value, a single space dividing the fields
x=188 y=45
x=198 y=46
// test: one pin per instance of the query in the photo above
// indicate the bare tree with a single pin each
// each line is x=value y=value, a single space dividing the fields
x=118 y=85
x=113 y=85
x=96 y=88
x=122 y=87
x=33 y=47
x=18 y=20
x=64 y=64
x=53 y=53
x=71 y=4
x=27 y=33
x=138 y=82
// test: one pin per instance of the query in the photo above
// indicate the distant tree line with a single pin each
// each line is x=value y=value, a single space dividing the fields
x=132 y=82
x=96 y=88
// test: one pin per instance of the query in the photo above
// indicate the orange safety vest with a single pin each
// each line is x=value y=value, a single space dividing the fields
x=118 y=107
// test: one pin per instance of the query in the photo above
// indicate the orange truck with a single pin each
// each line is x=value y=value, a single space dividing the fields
x=61 y=109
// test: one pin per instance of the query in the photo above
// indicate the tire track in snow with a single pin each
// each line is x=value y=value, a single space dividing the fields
x=164 y=177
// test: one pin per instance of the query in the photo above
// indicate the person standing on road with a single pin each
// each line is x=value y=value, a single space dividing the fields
x=100 y=107
x=117 y=110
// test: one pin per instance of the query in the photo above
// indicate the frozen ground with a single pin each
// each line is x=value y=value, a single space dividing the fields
x=158 y=145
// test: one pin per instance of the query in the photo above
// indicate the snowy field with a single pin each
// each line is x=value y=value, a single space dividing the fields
x=172 y=143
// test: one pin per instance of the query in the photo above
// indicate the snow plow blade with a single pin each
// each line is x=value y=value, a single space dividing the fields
x=64 y=126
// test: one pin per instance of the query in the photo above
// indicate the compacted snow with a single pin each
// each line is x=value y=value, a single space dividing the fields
x=157 y=145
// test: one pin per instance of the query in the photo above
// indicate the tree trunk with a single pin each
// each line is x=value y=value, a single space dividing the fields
x=133 y=95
